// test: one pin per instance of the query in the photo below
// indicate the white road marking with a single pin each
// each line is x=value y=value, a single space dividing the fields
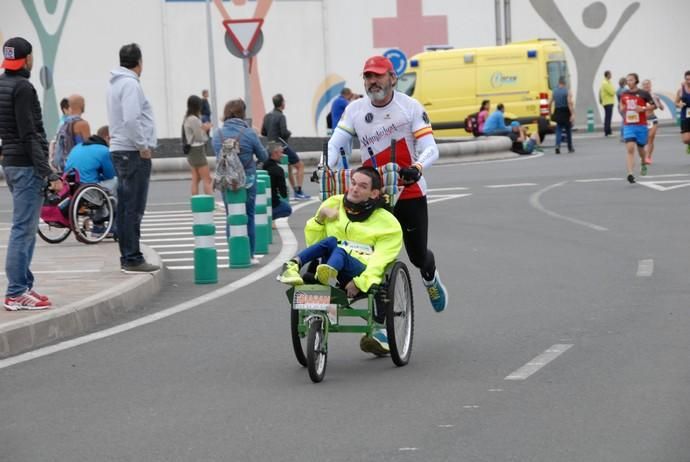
x=408 y=449
x=287 y=250
x=645 y=268
x=456 y=188
x=516 y=185
x=535 y=202
x=539 y=362
x=440 y=198
x=660 y=185
x=595 y=180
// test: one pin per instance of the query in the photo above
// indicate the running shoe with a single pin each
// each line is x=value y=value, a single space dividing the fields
x=25 y=301
x=43 y=298
x=643 y=170
x=290 y=274
x=558 y=150
x=327 y=275
x=631 y=179
x=376 y=344
x=300 y=196
x=438 y=295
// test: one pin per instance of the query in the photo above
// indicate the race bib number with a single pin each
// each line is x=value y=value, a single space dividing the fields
x=315 y=298
x=632 y=117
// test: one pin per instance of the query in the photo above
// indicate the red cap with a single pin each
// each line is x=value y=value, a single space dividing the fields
x=15 y=51
x=378 y=65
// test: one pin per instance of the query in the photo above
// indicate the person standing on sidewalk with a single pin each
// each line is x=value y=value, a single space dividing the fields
x=607 y=97
x=26 y=169
x=274 y=127
x=132 y=139
x=634 y=105
x=563 y=114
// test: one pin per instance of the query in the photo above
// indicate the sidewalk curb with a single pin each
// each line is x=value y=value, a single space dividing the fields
x=83 y=315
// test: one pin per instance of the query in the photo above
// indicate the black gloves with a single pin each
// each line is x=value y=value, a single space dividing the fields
x=410 y=175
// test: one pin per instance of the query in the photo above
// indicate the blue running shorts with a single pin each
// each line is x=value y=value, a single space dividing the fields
x=635 y=133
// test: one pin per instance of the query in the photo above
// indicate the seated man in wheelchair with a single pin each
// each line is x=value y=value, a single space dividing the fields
x=93 y=162
x=356 y=238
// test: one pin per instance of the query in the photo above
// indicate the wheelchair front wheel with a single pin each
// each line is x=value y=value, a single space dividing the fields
x=297 y=340
x=400 y=314
x=91 y=214
x=52 y=234
x=317 y=355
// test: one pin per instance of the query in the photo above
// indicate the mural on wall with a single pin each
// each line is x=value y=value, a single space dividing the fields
x=258 y=110
x=390 y=32
x=587 y=59
x=48 y=18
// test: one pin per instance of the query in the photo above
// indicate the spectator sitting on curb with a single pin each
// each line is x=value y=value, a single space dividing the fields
x=279 y=193
x=274 y=127
x=26 y=169
x=495 y=124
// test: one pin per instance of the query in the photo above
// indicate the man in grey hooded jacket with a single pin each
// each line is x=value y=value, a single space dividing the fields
x=132 y=139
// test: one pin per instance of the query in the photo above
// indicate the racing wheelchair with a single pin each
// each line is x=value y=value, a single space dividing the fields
x=319 y=310
x=86 y=209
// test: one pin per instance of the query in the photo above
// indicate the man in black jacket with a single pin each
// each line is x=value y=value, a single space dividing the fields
x=274 y=127
x=26 y=170
x=279 y=193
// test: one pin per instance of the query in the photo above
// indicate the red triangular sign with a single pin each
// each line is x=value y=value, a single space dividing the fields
x=243 y=32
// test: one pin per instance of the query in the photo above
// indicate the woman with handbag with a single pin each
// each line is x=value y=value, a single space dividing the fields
x=194 y=142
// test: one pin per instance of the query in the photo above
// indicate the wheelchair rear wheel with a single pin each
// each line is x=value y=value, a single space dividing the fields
x=52 y=234
x=91 y=214
x=317 y=355
x=297 y=340
x=400 y=314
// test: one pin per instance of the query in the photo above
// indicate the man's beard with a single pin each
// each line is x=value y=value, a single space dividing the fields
x=378 y=96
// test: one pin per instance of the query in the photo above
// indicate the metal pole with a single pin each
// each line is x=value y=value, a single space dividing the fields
x=507 y=21
x=247 y=89
x=497 y=11
x=211 y=65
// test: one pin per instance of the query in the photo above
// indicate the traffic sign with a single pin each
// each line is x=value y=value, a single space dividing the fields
x=244 y=34
x=398 y=58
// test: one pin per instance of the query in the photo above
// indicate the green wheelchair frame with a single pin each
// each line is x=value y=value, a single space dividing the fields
x=318 y=310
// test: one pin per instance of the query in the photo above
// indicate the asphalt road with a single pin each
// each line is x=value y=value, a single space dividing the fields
x=566 y=339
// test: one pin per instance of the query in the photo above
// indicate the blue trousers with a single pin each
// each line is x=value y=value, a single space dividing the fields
x=26 y=188
x=334 y=256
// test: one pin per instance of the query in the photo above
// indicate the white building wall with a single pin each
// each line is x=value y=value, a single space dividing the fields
x=306 y=41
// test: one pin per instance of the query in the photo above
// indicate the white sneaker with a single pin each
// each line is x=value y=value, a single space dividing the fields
x=255 y=261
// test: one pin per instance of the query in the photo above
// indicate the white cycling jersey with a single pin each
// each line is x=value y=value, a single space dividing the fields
x=403 y=119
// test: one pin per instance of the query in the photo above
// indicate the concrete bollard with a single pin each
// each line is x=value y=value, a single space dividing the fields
x=590 y=120
x=261 y=220
x=204 y=230
x=239 y=254
x=263 y=174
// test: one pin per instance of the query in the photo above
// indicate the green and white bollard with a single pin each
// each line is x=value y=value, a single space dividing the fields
x=239 y=254
x=260 y=219
x=263 y=174
x=204 y=230
x=590 y=120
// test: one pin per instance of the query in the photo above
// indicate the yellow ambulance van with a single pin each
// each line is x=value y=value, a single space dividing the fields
x=452 y=83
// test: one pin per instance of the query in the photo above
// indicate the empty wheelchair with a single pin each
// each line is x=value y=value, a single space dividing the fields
x=86 y=209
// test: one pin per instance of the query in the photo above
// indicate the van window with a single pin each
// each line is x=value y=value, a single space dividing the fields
x=406 y=83
x=555 y=70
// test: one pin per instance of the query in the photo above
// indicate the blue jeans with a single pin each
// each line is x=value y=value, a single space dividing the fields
x=133 y=175
x=250 y=205
x=334 y=256
x=27 y=198
x=281 y=210
x=568 y=134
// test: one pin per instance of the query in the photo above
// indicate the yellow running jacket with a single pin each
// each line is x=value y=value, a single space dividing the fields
x=375 y=241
